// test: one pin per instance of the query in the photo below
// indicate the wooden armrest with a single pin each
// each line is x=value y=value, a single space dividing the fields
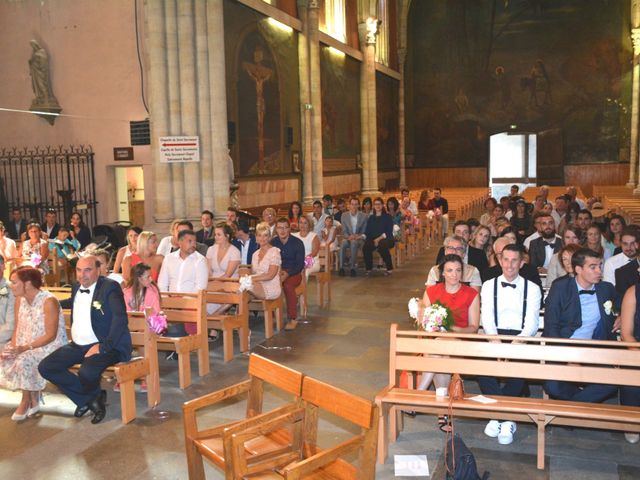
x=228 y=429
x=313 y=463
x=215 y=397
x=241 y=434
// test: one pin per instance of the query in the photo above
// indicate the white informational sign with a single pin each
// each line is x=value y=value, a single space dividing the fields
x=411 y=466
x=179 y=149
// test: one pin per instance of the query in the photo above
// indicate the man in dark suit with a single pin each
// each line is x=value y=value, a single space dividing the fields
x=100 y=338
x=629 y=273
x=205 y=235
x=542 y=249
x=245 y=242
x=17 y=225
x=51 y=226
x=473 y=256
x=581 y=307
x=353 y=226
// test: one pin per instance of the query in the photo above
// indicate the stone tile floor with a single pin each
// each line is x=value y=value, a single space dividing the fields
x=346 y=345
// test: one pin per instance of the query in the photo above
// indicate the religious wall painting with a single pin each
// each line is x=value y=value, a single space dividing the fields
x=340 y=80
x=532 y=64
x=259 y=110
x=387 y=120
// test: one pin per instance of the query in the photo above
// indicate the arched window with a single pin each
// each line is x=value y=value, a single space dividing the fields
x=335 y=23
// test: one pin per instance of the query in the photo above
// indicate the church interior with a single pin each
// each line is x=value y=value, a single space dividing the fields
x=143 y=112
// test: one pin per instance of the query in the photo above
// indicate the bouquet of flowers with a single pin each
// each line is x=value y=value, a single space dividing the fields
x=157 y=323
x=435 y=318
x=308 y=261
x=36 y=259
x=246 y=283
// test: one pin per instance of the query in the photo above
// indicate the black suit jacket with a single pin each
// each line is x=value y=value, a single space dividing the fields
x=626 y=276
x=200 y=237
x=563 y=313
x=54 y=230
x=536 y=251
x=475 y=257
x=108 y=317
x=253 y=246
x=11 y=229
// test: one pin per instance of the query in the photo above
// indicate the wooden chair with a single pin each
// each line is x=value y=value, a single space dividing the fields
x=302 y=457
x=210 y=442
x=145 y=366
x=323 y=277
x=225 y=292
x=186 y=308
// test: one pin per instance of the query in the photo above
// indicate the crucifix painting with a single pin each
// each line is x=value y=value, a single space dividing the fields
x=258 y=109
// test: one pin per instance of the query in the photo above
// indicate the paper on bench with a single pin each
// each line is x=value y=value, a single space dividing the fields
x=411 y=466
x=482 y=399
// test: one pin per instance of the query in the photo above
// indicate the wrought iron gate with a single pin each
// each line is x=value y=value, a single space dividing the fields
x=48 y=178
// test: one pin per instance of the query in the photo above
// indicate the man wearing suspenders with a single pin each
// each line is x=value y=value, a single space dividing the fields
x=510 y=305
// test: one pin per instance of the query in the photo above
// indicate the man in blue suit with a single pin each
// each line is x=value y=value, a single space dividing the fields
x=245 y=242
x=100 y=338
x=581 y=307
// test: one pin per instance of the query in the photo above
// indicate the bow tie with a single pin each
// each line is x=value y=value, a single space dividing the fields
x=506 y=284
x=84 y=290
x=552 y=245
x=586 y=292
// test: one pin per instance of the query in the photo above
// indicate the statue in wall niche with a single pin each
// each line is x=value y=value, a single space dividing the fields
x=44 y=100
x=233 y=183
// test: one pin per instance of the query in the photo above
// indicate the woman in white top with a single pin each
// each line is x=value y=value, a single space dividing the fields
x=222 y=256
x=34 y=244
x=311 y=244
x=8 y=249
x=223 y=259
x=265 y=266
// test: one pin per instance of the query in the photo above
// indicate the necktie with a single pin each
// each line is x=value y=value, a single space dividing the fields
x=506 y=284
x=586 y=292
x=205 y=235
x=84 y=290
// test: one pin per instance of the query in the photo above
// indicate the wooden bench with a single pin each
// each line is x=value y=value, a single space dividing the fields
x=614 y=363
x=186 y=308
x=212 y=443
x=225 y=292
x=302 y=457
x=145 y=366
x=323 y=277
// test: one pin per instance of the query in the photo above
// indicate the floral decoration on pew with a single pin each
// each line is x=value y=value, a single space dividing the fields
x=437 y=317
x=308 y=261
x=35 y=260
x=245 y=283
x=157 y=323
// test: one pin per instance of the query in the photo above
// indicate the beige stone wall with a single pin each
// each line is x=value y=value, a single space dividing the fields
x=95 y=77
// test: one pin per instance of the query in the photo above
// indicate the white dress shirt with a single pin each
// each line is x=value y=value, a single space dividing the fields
x=510 y=304
x=81 y=330
x=188 y=275
x=244 y=251
x=164 y=247
x=611 y=265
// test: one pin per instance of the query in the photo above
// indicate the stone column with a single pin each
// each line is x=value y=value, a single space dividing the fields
x=368 y=31
x=635 y=104
x=403 y=11
x=305 y=104
x=157 y=82
x=316 y=98
x=222 y=165
x=175 y=120
x=188 y=107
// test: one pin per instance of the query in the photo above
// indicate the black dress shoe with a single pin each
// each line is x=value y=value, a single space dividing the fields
x=97 y=406
x=80 y=411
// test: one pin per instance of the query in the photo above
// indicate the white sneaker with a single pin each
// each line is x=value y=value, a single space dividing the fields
x=632 y=437
x=507 y=429
x=492 y=429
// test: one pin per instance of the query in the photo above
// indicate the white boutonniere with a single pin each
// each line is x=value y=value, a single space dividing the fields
x=98 y=306
x=4 y=291
x=608 y=307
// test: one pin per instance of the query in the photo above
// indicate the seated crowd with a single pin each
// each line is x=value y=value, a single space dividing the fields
x=492 y=273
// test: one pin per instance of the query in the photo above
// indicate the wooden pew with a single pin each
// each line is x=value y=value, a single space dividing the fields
x=145 y=366
x=211 y=442
x=304 y=458
x=323 y=277
x=186 y=308
x=225 y=292
x=533 y=358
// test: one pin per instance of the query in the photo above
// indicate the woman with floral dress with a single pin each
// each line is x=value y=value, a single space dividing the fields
x=40 y=329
